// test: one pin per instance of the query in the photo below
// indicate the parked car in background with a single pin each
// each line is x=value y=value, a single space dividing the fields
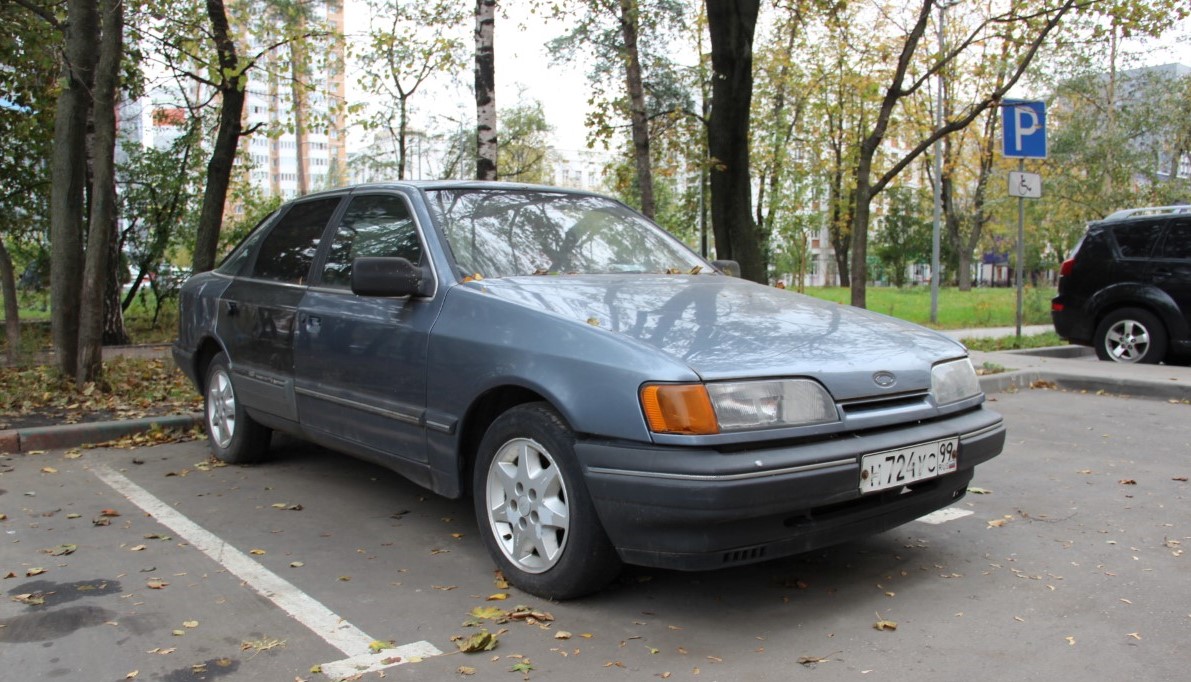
x=1126 y=289
x=602 y=393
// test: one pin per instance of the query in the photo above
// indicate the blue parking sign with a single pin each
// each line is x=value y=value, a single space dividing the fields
x=1023 y=129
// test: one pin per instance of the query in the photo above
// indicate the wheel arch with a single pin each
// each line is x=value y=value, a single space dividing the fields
x=208 y=348
x=1148 y=298
x=484 y=410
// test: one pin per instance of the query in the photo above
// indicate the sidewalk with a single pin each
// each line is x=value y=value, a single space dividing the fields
x=1070 y=367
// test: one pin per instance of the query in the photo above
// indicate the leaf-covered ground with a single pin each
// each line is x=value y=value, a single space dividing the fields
x=131 y=388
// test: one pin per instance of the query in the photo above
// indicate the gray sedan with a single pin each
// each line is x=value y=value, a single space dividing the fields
x=602 y=393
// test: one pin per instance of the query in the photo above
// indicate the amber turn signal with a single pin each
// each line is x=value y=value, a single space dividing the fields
x=679 y=408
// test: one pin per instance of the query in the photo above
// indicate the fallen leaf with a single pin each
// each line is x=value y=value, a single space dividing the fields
x=1128 y=481
x=32 y=599
x=156 y=584
x=1071 y=641
x=296 y=564
x=378 y=646
x=257 y=552
x=132 y=675
x=996 y=523
x=465 y=670
x=63 y=550
x=978 y=491
x=34 y=571
x=499 y=596
x=109 y=512
x=49 y=470
x=444 y=588
x=883 y=624
x=71 y=515
x=178 y=633
x=499 y=579
x=562 y=634
x=1135 y=635
x=190 y=623
x=523 y=667
x=489 y=613
x=137 y=548
x=810 y=661
x=480 y=641
x=163 y=652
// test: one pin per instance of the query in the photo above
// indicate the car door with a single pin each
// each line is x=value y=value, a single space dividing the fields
x=361 y=361
x=257 y=311
x=1172 y=268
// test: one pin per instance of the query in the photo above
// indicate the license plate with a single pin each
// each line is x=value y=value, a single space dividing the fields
x=894 y=468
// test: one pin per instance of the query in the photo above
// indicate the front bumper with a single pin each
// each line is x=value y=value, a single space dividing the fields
x=694 y=509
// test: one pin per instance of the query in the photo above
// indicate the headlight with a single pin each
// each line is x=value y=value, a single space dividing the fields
x=953 y=381
x=737 y=406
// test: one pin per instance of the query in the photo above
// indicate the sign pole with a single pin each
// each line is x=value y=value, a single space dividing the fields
x=1021 y=249
x=1023 y=128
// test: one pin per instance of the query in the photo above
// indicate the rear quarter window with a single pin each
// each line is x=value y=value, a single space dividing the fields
x=1177 y=245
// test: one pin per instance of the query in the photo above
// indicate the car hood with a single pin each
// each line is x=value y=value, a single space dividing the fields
x=725 y=327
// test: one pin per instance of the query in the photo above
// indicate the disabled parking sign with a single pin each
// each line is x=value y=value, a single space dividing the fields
x=1023 y=129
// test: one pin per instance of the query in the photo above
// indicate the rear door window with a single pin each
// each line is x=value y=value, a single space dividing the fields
x=1137 y=240
x=288 y=250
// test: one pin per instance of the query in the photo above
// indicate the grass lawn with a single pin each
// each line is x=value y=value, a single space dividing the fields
x=982 y=307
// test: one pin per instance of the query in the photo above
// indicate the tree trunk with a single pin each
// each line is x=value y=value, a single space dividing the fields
x=297 y=56
x=223 y=155
x=485 y=77
x=629 y=27
x=12 y=307
x=68 y=175
x=103 y=194
x=731 y=25
x=114 y=332
x=859 y=273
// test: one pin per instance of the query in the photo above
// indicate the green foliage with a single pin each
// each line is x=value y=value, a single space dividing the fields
x=904 y=234
x=980 y=307
x=160 y=191
x=523 y=153
x=29 y=82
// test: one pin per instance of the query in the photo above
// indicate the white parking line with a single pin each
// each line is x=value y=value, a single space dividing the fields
x=944 y=515
x=308 y=611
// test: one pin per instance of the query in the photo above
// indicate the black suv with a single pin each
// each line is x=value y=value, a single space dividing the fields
x=1126 y=289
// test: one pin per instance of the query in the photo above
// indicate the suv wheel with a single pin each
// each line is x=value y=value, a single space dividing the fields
x=1131 y=335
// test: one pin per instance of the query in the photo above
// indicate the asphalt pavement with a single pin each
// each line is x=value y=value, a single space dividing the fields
x=1066 y=367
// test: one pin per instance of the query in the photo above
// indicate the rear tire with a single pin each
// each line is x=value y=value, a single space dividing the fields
x=234 y=436
x=1131 y=335
x=533 y=508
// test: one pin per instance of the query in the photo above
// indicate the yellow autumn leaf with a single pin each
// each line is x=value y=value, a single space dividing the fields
x=499 y=596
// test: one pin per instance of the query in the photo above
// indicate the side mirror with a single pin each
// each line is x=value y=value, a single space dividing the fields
x=729 y=267
x=390 y=277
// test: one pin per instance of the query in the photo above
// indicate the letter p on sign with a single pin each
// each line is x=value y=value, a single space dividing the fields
x=1024 y=129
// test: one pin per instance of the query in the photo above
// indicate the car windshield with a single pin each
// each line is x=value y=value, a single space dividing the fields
x=504 y=233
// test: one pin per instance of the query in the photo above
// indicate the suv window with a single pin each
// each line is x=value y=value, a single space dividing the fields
x=373 y=225
x=1178 y=240
x=1136 y=240
x=288 y=250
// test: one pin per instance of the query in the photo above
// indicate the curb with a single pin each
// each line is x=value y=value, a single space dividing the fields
x=1015 y=380
x=72 y=435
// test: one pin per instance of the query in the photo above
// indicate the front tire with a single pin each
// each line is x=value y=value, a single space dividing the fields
x=533 y=508
x=234 y=436
x=1131 y=335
